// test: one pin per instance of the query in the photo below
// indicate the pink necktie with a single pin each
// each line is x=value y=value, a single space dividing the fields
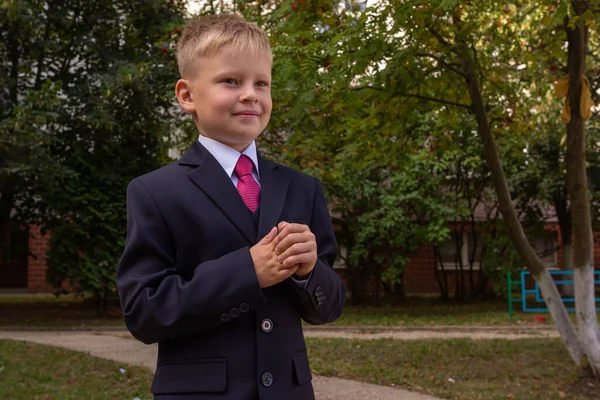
x=247 y=186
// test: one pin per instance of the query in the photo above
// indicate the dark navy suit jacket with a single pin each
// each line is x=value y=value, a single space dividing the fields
x=187 y=281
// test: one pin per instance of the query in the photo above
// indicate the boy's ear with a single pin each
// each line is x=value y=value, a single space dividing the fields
x=183 y=91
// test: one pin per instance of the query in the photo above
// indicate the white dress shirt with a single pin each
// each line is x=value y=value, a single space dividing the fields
x=228 y=157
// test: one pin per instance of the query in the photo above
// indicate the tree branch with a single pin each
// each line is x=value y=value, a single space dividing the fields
x=14 y=56
x=434 y=100
x=443 y=63
x=439 y=37
x=417 y=96
x=40 y=61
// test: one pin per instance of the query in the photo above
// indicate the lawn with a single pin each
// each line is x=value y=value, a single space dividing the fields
x=529 y=369
x=461 y=369
x=35 y=372
x=69 y=311
x=428 y=311
x=44 y=310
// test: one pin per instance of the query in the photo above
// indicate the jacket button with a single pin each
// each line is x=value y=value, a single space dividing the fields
x=266 y=325
x=244 y=307
x=267 y=379
x=225 y=317
x=234 y=312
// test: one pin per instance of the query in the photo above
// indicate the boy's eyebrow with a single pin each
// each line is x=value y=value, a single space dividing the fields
x=225 y=72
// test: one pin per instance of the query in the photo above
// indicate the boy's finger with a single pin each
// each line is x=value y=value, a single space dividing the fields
x=269 y=236
x=282 y=244
x=296 y=248
x=291 y=228
x=279 y=227
x=298 y=259
x=287 y=267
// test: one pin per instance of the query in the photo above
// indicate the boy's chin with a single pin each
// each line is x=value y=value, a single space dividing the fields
x=239 y=141
x=245 y=138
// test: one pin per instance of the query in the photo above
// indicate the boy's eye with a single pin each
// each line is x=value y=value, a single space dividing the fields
x=230 y=81
x=262 y=84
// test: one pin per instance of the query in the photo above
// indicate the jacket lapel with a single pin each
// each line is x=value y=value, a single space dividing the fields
x=274 y=185
x=210 y=177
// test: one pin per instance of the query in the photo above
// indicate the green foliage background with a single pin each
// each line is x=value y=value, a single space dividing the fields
x=367 y=99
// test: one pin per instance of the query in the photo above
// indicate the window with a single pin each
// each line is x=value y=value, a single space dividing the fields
x=339 y=261
x=448 y=251
x=545 y=245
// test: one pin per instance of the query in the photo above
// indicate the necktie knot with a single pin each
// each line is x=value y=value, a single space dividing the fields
x=244 y=166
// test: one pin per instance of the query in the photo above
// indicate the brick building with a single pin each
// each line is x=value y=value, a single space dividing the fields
x=26 y=268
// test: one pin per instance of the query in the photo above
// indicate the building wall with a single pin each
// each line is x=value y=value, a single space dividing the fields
x=36 y=271
x=419 y=277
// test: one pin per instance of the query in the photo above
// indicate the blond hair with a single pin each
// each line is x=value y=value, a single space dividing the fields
x=203 y=36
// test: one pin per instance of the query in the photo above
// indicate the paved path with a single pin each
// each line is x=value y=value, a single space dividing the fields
x=117 y=345
x=434 y=332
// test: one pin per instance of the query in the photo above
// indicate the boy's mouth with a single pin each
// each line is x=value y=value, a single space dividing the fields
x=247 y=113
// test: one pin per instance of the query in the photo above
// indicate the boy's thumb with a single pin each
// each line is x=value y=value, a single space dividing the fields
x=269 y=237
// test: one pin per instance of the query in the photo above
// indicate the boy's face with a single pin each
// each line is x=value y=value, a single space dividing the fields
x=230 y=95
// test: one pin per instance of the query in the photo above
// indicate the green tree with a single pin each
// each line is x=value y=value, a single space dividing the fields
x=355 y=82
x=89 y=107
x=461 y=37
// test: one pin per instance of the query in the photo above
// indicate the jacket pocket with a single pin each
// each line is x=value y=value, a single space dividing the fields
x=191 y=376
x=302 y=368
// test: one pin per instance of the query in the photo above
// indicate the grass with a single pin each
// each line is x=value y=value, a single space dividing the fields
x=30 y=310
x=423 y=311
x=36 y=372
x=43 y=310
x=528 y=369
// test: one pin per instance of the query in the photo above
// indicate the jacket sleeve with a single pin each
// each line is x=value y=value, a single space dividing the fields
x=323 y=298
x=158 y=303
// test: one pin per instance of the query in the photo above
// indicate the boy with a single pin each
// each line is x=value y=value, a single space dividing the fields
x=226 y=252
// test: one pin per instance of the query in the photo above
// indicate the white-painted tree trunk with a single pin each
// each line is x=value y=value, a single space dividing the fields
x=584 y=345
x=513 y=224
x=587 y=324
x=583 y=238
x=560 y=316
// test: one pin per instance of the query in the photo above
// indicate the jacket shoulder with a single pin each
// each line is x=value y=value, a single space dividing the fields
x=294 y=174
x=163 y=176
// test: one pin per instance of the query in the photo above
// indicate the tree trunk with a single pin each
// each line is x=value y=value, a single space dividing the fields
x=567 y=265
x=583 y=256
x=400 y=288
x=511 y=221
x=563 y=213
x=7 y=202
x=443 y=279
x=560 y=316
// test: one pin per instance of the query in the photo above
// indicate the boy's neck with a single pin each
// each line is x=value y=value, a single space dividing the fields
x=239 y=148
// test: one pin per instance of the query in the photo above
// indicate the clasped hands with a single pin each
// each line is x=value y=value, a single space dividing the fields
x=286 y=250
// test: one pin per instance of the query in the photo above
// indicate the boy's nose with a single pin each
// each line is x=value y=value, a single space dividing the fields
x=249 y=96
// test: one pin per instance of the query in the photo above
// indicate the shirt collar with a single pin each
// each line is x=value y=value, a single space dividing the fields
x=227 y=156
